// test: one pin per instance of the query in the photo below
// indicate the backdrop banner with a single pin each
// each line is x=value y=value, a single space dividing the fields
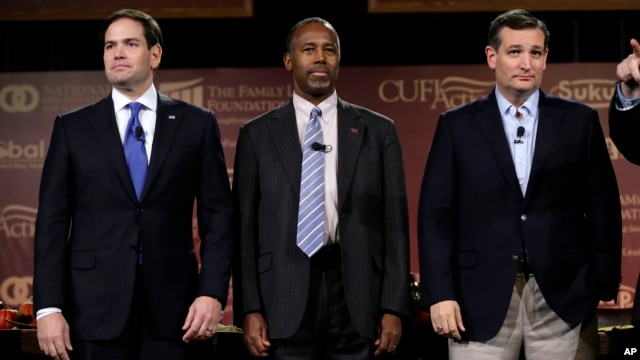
x=413 y=96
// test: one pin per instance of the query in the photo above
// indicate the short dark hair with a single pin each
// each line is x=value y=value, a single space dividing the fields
x=151 y=29
x=311 y=20
x=516 y=19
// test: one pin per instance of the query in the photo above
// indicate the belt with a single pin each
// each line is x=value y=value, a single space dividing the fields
x=524 y=266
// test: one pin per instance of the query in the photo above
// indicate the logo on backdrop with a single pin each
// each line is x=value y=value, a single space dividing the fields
x=445 y=93
x=191 y=91
x=593 y=92
x=15 y=290
x=17 y=221
x=452 y=91
x=22 y=156
x=625 y=299
x=19 y=98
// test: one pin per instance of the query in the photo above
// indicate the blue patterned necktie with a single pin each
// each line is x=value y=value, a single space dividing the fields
x=134 y=149
x=310 y=236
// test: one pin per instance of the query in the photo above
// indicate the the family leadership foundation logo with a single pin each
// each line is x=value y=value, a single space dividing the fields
x=191 y=91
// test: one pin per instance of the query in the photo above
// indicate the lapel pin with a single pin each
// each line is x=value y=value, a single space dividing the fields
x=172 y=117
x=354 y=130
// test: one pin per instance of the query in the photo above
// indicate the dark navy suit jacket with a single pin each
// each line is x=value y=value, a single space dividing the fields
x=473 y=218
x=89 y=218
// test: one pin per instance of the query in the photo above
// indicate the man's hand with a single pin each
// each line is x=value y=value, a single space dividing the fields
x=255 y=334
x=446 y=319
x=389 y=335
x=628 y=72
x=53 y=336
x=202 y=320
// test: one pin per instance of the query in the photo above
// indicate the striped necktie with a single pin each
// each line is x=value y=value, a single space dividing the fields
x=310 y=236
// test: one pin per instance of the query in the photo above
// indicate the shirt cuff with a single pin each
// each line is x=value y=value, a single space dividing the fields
x=622 y=103
x=46 y=311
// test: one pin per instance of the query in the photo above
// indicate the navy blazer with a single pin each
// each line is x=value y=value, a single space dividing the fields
x=372 y=209
x=473 y=218
x=89 y=219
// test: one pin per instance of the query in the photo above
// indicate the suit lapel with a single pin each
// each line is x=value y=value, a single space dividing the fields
x=351 y=131
x=103 y=121
x=490 y=124
x=286 y=141
x=168 y=119
x=549 y=120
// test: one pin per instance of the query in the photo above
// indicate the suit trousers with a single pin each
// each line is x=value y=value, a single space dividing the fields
x=326 y=330
x=532 y=324
x=139 y=340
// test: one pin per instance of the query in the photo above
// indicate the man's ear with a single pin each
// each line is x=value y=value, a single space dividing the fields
x=491 y=56
x=287 y=61
x=156 y=55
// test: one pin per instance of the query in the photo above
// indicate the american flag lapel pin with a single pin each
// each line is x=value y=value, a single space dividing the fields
x=354 y=130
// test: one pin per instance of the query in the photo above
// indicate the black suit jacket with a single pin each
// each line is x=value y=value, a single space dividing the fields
x=89 y=219
x=624 y=129
x=373 y=218
x=473 y=218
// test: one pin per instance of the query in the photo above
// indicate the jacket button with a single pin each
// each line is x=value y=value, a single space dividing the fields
x=133 y=248
x=523 y=217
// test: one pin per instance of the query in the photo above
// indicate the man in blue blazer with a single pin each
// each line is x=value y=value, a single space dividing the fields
x=519 y=213
x=624 y=126
x=116 y=275
x=345 y=301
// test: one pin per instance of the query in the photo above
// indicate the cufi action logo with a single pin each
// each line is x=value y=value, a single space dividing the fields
x=19 y=98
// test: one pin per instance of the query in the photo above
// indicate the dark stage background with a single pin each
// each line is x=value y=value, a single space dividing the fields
x=368 y=38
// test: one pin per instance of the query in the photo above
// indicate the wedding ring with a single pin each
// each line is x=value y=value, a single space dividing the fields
x=440 y=330
x=209 y=330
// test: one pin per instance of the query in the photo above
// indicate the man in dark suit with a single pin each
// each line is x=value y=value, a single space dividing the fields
x=116 y=276
x=346 y=300
x=519 y=215
x=624 y=126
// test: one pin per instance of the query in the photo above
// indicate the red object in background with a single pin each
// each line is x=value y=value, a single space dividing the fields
x=9 y=314
x=26 y=314
x=27 y=308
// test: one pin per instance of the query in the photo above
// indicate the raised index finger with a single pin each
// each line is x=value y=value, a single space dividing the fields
x=636 y=47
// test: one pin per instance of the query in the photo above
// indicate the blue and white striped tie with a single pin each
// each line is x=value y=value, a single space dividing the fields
x=311 y=210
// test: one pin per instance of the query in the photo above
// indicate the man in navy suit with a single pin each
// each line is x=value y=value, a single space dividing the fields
x=116 y=275
x=519 y=213
x=347 y=300
x=624 y=126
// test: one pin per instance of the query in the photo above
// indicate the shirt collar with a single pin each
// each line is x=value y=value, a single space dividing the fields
x=530 y=105
x=149 y=99
x=328 y=107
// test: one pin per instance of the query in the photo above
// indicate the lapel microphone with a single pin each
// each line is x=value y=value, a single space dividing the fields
x=519 y=134
x=139 y=134
x=320 y=147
